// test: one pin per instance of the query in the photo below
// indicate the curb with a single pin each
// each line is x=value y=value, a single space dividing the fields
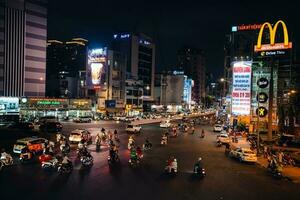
x=283 y=177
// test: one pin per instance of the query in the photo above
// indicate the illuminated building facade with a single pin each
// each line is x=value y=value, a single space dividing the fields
x=140 y=55
x=192 y=62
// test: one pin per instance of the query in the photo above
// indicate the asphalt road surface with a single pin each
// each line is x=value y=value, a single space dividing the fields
x=226 y=178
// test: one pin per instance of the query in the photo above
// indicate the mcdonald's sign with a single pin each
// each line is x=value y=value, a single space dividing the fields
x=273 y=46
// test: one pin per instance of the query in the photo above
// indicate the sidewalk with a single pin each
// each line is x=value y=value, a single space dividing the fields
x=292 y=173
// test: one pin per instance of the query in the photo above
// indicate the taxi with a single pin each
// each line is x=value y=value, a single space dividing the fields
x=34 y=144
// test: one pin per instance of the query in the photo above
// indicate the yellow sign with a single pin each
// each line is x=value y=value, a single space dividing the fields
x=262 y=111
x=273 y=46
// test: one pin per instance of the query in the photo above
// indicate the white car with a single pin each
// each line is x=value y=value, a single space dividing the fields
x=243 y=154
x=223 y=138
x=133 y=128
x=218 y=128
x=77 y=135
x=165 y=124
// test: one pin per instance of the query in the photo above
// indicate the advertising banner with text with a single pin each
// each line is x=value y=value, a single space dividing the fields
x=241 y=88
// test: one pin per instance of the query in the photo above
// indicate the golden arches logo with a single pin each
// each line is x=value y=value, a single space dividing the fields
x=273 y=30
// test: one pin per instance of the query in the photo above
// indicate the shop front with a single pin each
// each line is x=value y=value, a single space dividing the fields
x=32 y=108
x=80 y=108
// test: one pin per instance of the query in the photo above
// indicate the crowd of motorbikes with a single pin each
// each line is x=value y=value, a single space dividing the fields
x=55 y=155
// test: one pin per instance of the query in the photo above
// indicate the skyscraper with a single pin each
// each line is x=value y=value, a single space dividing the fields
x=23 y=34
x=65 y=61
x=140 y=53
x=192 y=62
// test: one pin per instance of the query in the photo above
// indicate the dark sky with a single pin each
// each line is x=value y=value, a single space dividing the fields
x=202 y=24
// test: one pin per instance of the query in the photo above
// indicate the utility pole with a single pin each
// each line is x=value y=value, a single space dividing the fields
x=271 y=94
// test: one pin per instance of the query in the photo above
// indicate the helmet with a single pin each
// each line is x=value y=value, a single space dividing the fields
x=199 y=159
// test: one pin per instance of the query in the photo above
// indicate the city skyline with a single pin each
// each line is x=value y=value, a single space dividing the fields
x=170 y=31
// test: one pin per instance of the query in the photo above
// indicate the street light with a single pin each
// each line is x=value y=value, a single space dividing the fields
x=38 y=87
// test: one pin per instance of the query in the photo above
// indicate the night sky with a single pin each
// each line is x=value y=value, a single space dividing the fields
x=202 y=24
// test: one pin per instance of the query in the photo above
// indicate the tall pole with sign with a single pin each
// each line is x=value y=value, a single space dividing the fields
x=269 y=51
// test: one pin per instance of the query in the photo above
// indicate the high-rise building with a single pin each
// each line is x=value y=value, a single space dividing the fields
x=192 y=62
x=140 y=53
x=116 y=76
x=23 y=35
x=65 y=63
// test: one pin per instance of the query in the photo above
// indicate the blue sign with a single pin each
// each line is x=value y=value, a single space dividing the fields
x=110 y=103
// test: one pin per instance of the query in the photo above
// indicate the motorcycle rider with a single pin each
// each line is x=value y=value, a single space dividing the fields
x=133 y=155
x=66 y=162
x=130 y=142
x=164 y=139
x=58 y=137
x=113 y=153
x=139 y=152
x=147 y=144
x=193 y=130
x=171 y=164
x=115 y=132
x=26 y=154
x=5 y=156
x=198 y=165
x=202 y=133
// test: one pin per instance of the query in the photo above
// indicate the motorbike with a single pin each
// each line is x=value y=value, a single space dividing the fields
x=26 y=157
x=219 y=143
x=98 y=146
x=275 y=170
x=287 y=160
x=113 y=159
x=171 y=171
x=147 y=146
x=199 y=172
x=65 y=168
x=87 y=160
x=65 y=149
x=134 y=162
x=130 y=144
x=164 y=141
x=7 y=161
x=50 y=164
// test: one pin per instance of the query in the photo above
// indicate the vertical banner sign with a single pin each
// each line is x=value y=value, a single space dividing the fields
x=241 y=89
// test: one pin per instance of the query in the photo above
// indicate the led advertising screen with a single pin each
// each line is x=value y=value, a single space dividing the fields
x=241 y=88
x=96 y=69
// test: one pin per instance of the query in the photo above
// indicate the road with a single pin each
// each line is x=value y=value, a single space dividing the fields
x=226 y=178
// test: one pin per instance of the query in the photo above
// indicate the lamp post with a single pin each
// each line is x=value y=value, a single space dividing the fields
x=38 y=86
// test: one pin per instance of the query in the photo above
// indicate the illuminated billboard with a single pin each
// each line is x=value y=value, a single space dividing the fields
x=187 y=90
x=241 y=88
x=96 y=69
